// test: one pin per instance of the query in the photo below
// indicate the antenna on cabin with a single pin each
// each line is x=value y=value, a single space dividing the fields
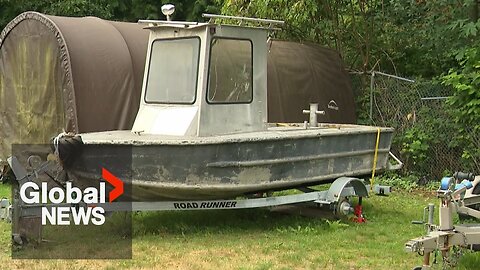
x=168 y=10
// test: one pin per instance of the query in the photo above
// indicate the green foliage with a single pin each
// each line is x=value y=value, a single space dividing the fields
x=470 y=260
x=121 y=10
x=423 y=132
x=100 y=8
x=466 y=83
x=405 y=183
x=413 y=38
x=133 y=10
x=422 y=36
x=416 y=145
x=430 y=143
x=465 y=103
x=409 y=182
x=419 y=38
x=345 y=26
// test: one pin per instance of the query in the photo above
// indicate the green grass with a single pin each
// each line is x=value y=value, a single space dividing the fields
x=260 y=239
x=5 y=191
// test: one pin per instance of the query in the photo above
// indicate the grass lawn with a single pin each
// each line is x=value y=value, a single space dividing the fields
x=260 y=239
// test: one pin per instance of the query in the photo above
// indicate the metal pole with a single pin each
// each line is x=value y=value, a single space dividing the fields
x=372 y=85
x=166 y=22
x=431 y=212
x=313 y=114
x=433 y=98
x=426 y=260
x=393 y=76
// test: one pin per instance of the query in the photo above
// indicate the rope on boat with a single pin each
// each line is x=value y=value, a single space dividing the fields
x=56 y=142
x=375 y=157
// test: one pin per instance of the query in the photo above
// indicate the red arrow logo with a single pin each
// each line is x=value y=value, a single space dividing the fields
x=115 y=182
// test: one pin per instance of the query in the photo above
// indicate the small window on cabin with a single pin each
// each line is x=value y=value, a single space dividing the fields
x=230 y=77
x=173 y=71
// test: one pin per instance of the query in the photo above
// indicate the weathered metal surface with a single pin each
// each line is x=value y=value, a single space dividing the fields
x=231 y=165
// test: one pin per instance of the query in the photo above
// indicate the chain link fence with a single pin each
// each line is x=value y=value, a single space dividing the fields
x=427 y=139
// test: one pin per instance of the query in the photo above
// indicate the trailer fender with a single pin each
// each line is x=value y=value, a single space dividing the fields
x=345 y=187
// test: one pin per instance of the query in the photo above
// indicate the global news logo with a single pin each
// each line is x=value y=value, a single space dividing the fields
x=64 y=204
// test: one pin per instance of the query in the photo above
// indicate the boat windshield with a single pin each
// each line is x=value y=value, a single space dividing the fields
x=230 y=73
x=173 y=70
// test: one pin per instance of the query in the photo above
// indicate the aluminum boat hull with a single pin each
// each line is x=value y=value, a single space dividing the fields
x=170 y=168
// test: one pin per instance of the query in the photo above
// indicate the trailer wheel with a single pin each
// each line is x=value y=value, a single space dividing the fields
x=343 y=207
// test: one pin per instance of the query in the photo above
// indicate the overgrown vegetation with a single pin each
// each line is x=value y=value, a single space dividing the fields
x=426 y=137
x=411 y=38
x=465 y=81
x=121 y=10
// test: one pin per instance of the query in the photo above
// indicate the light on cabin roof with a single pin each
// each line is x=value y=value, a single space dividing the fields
x=168 y=10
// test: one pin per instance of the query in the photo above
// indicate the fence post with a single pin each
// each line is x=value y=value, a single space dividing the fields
x=372 y=85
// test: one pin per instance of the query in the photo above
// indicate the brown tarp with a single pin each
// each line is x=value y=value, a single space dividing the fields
x=78 y=74
x=85 y=74
x=299 y=74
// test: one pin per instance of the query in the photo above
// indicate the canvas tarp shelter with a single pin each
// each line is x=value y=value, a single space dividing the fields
x=85 y=74
x=78 y=74
x=299 y=74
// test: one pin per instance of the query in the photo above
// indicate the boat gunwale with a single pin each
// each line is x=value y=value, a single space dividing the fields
x=131 y=139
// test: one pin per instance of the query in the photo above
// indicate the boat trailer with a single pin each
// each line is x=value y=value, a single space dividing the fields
x=448 y=238
x=337 y=198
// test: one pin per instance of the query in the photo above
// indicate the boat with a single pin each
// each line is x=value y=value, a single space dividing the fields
x=201 y=131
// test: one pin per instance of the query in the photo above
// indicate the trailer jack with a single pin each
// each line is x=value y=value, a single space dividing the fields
x=358 y=212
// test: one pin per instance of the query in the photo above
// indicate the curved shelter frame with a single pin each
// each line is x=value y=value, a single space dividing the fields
x=74 y=74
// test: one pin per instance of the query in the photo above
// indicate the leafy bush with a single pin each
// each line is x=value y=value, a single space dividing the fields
x=406 y=183
x=415 y=146
x=465 y=103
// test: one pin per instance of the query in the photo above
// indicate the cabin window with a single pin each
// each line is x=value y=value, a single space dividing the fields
x=173 y=71
x=230 y=77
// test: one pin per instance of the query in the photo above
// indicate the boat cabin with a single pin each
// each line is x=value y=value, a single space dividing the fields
x=203 y=79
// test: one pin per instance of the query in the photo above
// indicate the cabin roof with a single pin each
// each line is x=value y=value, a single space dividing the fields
x=155 y=24
x=255 y=23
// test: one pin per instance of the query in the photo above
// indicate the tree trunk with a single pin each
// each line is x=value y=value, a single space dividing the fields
x=474 y=11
